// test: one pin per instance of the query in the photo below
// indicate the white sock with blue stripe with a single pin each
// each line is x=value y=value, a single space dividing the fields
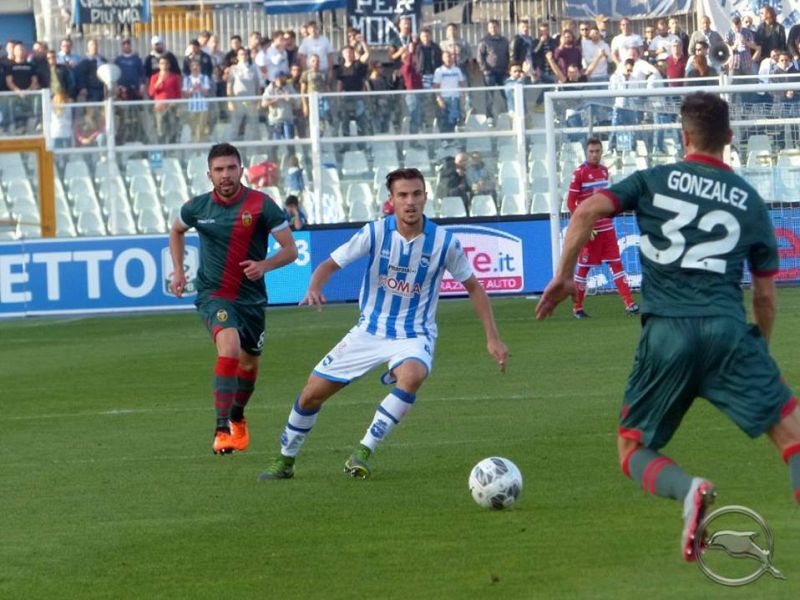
x=390 y=412
x=297 y=429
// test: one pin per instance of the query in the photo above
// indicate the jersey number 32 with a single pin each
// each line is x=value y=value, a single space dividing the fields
x=698 y=256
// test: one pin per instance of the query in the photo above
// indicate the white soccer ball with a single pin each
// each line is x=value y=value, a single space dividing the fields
x=495 y=482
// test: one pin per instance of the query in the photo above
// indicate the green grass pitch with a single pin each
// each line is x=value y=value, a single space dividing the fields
x=109 y=489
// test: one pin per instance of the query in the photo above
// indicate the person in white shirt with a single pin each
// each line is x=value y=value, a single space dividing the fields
x=591 y=48
x=197 y=87
x=277 y=59
x=314 y=43
x=449 y=80
x=407 y=257
x=243 y=82
x=661 y=46
x=624 y=42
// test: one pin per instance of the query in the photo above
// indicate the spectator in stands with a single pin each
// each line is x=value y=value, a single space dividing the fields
x=544 y=44
x=647 y=39
x=705 y=34
x=196 y=54
x=699 y=63
x=567 y=53
x=675 y=65
x=314 y=80
x=399 y=45
x=602 y=24
x=300 y=120
x=293 y=179
x=522 y=44
x=595 y=52
x=59 y=78
x=625 y=112
x=661 y=46
x=131 y=68
x=459 y=48
x=165 y=85
x=66 y=56
x=427 y=58
x=770 y=34
x=412 y=80
x=90 y=127
x=277 y=58
x=453 y=178
x=197 y=87
x=351 y=77
x=787 y=100
x=38 y=58
x=356 y=41
x=741 y=42
x=232 y=55
x=243 y=81
x=479 y=178
x=90 y=88
x=290 y=45
x=516 y=77
x=61 y=117
x=317 y=44
x=21 y=77
x=675 y=29
x=380 y=105
x=793 y=37
x=624 y=42
x=217 y=110
x=203 y=37
x=565 y=24
x=280 y=99
x=450 y=82
x=294 y=214
x=583 y=34
x=254 y=44
x=157 y=51
x=493 y=53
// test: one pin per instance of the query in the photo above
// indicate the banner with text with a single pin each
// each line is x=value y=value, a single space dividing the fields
x=116 y=274
x=109 y=12
x=634 y=9
x=285 y=7
x=377 y=19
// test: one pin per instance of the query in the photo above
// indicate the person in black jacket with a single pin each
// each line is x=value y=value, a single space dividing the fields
x=90 y=88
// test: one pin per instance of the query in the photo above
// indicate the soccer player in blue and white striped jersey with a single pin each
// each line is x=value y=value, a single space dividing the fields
x=408 y=255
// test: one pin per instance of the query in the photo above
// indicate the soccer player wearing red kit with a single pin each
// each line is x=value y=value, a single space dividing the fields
x=587 y=179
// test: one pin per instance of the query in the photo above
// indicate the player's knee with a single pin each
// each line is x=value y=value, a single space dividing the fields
x=411 y=375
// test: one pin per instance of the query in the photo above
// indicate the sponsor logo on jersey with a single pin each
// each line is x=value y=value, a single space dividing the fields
x=222 y=315
x=400 y=287
x=425 y=260
x=247 y=219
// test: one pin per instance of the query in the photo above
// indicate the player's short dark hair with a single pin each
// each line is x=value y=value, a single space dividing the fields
x=593 y=141
x=706 y=117
x=223 y=149
x=291 y=200
x=403 y=174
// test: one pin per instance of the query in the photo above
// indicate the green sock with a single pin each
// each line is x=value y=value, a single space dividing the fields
x=657 y=474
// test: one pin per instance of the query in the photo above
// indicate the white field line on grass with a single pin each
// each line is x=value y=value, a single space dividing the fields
x=121 y=412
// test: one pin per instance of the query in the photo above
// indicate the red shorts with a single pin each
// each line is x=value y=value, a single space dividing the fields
x=603 y=248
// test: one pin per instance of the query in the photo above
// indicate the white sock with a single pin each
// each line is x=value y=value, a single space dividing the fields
x=390 y=412
x=297 y=429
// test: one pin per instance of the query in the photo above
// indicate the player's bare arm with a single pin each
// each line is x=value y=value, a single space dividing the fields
x=483 y=308
x=177 y=247
x=321 y=275
x=255 y=269
x=764 y=305
x=578 y=233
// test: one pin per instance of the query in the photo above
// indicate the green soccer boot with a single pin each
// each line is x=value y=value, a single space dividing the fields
x=281 y=468
x=356 y=465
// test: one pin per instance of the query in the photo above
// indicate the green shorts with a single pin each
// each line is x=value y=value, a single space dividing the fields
x=718 y=358
x=220 y=314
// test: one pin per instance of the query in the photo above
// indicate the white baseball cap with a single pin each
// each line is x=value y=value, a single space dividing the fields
x=156 y=39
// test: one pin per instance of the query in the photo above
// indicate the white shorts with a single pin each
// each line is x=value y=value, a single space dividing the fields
x=359 y=352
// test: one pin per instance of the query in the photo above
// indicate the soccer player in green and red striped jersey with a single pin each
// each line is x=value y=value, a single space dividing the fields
x=234 y=224
x=700 y=223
